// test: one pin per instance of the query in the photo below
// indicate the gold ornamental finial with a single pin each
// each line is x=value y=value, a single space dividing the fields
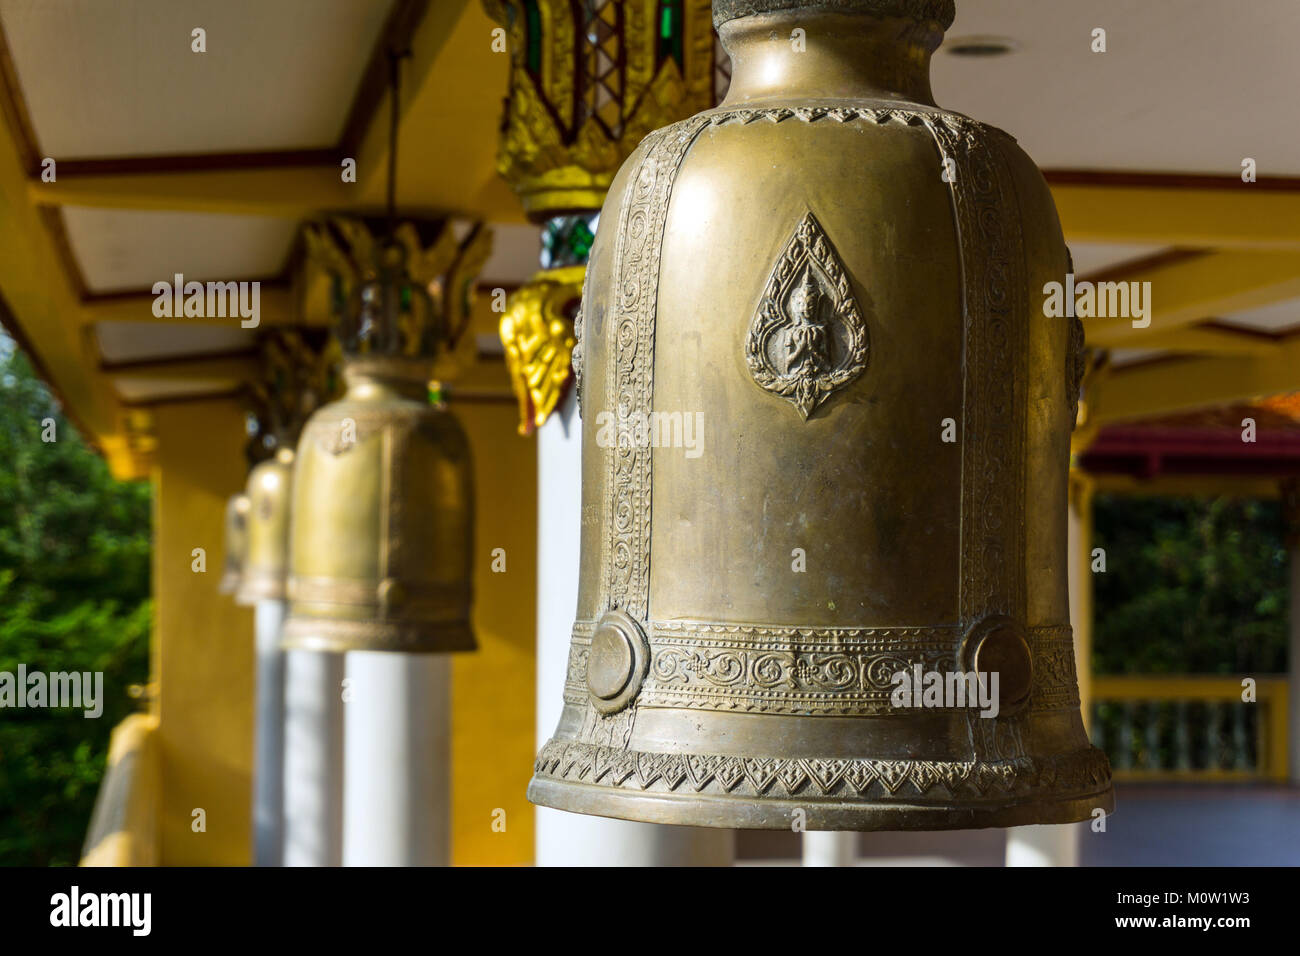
x=587 y=82
x=537 y=331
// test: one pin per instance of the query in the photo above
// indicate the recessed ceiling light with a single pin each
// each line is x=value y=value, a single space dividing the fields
x=981 y=45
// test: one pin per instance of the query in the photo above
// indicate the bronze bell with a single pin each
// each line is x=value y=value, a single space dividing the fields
x=383 y=502
x=236 y=534
x=840 y=284
x=266 y=562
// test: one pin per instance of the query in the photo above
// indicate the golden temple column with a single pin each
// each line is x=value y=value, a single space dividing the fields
x=640 y=65
x=1291 y=525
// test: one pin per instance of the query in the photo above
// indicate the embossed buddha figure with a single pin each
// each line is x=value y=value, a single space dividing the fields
x=806 y=347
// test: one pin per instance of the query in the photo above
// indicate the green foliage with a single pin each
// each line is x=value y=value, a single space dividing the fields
x=74 y=596
x=1192 y=586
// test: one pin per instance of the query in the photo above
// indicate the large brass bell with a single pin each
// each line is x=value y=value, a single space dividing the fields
x=840 y=284
x=381 y=542
x=266 y=560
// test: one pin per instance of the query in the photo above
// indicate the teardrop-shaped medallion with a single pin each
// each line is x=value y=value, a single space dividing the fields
x=808 y=337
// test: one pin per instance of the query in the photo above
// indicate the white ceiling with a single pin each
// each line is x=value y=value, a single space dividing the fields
x=1122 y=357
x=1191 y=86
x=119 y=79
x=1094 y=257
x=1186 y=86
x=122 y=249
x=1276 y=318
x=142 y=341
x=514 y=255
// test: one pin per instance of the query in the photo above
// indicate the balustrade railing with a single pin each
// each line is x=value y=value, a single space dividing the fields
x=1191 y=728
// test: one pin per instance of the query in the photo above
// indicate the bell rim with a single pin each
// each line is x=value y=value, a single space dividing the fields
x=256 y=585
x=776 y=813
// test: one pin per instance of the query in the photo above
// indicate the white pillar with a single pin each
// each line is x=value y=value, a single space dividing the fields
x=599 y=841
x=828 y=848
x=313 y=759
x=572 y=839
x=1058 y=845
x=268 y=744
x=1053 y=845
x=397 y=760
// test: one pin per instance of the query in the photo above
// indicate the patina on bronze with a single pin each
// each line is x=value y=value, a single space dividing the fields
x=381 y=543
x=838 y=275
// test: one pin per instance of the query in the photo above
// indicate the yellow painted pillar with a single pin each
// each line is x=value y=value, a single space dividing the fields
x=202 y=656
x=493 y=689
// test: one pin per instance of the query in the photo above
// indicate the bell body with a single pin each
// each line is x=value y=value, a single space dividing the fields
x=236 y=534
x=834 y=288
x=270 y=487
x=382 y=531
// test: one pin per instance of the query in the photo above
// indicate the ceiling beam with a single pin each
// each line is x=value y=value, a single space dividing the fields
x=275 y=308
x=286 y=192
x=1191 y=290
x=1180 y=384
x=1212 y=340
x=230 y=367
x=1171 y=211
x=263 y=185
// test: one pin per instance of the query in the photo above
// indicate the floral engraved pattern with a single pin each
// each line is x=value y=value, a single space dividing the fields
x=787 y=670
x=993 y=428
x=626 y=561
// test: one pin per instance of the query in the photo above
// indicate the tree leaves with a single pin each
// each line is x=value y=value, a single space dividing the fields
x=74 y=596
x=1192 y=586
